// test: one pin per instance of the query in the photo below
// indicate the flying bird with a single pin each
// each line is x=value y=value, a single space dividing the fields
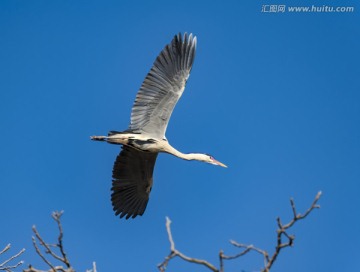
x=132 y=176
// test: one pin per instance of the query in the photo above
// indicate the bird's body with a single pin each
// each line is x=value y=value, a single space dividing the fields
x=145 y=137
x=145 y=144
x=135 y=140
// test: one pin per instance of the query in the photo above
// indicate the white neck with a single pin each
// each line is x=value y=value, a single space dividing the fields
x=190 y=156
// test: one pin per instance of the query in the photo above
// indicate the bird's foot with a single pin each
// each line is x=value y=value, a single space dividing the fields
x=98 y=138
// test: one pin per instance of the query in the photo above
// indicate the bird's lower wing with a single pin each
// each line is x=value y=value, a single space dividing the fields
x=132 y=181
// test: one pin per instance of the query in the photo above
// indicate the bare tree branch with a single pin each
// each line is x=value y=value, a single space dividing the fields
x=8 y=246
x=281 y=231
x=44 y=250
x=268 y=261
x=93 y=268
x=174 y=253
x=38 y=251
x=56 y=215
x=47 y=248
x=247 y=249
x=5 y=266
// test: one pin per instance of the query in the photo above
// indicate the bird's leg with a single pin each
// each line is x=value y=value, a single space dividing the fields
x=98 y=138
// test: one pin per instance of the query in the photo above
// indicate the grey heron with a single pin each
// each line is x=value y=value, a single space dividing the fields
x=132 y=176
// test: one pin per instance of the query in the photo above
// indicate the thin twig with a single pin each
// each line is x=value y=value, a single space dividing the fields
x=48 y=249
x=57 y=268
x=38 y=251
x=6 y=248
x=57 y=215
x=264 y=253
x=93 y=268
x=12 y=258
x=4 y=265
x=45 y=245
x=282 y=230
x=174 y=253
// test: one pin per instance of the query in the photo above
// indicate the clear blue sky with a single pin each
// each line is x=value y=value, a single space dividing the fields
x=275 y=96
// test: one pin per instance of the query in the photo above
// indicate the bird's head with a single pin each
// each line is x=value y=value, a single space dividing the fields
x=215 y=162
x=210 y=159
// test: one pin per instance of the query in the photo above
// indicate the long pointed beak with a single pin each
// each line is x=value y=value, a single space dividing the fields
x=219 y=163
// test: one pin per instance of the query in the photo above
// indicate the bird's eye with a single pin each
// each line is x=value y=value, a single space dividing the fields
x=211 y=157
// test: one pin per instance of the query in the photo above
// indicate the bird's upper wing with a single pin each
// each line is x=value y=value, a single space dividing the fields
x=132 y=181
x=163 y=86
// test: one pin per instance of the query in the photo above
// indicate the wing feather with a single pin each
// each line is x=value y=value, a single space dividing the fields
x=163 y=86
x=132 y=181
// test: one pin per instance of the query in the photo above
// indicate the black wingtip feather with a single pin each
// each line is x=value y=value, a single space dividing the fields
x=132 y=177
x=185 y=46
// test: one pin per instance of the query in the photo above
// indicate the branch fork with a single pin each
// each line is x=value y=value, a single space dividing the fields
x=282 y=233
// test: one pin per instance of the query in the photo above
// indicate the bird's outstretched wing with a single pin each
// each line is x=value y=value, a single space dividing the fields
x=132 y=181
x=163 y=86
